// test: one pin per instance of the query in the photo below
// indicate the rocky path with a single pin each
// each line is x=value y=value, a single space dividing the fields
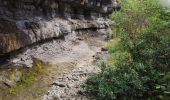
x=72 y=62
x=68 y=86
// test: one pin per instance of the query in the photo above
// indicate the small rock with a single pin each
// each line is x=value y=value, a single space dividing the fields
x=75 y=79
x=62 y=96
x=3 y=86
x=77 y=86
x=80 y=92
x=59 y=84
x=56 y=98
x=15 y=60
x=104 y=49
x=14 y=78
x=69 y=85
x=80 y=39
x=45 y=48
x=9 y=83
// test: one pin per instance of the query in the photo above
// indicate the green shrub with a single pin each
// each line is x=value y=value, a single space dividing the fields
x=140 y=62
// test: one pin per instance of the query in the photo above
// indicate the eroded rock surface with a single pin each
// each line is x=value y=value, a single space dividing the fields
x=23 y=33
x=25 y=22
x=23 y=9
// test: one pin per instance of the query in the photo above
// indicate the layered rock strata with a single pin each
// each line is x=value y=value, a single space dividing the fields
x=23 y=9
x=25 y=22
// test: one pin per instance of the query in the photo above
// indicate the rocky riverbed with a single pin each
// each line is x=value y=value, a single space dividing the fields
x=66 y=38
x=73 y=59
x=68 y=85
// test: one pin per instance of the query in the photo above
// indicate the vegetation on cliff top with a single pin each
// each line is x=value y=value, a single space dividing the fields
x=139 y=67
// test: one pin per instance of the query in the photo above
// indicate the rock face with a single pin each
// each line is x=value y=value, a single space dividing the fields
x=25 y=22
x=22 y=9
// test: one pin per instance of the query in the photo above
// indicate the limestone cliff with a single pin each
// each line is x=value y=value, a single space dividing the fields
x=25 y=22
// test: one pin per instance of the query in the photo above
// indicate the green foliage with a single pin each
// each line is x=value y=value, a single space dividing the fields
x=140 y=62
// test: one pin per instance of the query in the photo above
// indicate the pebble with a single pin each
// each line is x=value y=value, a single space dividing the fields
x=59 y=84
x=104 y=49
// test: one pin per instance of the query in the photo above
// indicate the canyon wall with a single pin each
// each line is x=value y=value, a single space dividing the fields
x=25 y=22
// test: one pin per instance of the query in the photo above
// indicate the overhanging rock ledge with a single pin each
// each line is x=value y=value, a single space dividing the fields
x=25 y=22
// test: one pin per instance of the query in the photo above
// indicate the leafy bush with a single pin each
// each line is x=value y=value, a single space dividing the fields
x=140 y=62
